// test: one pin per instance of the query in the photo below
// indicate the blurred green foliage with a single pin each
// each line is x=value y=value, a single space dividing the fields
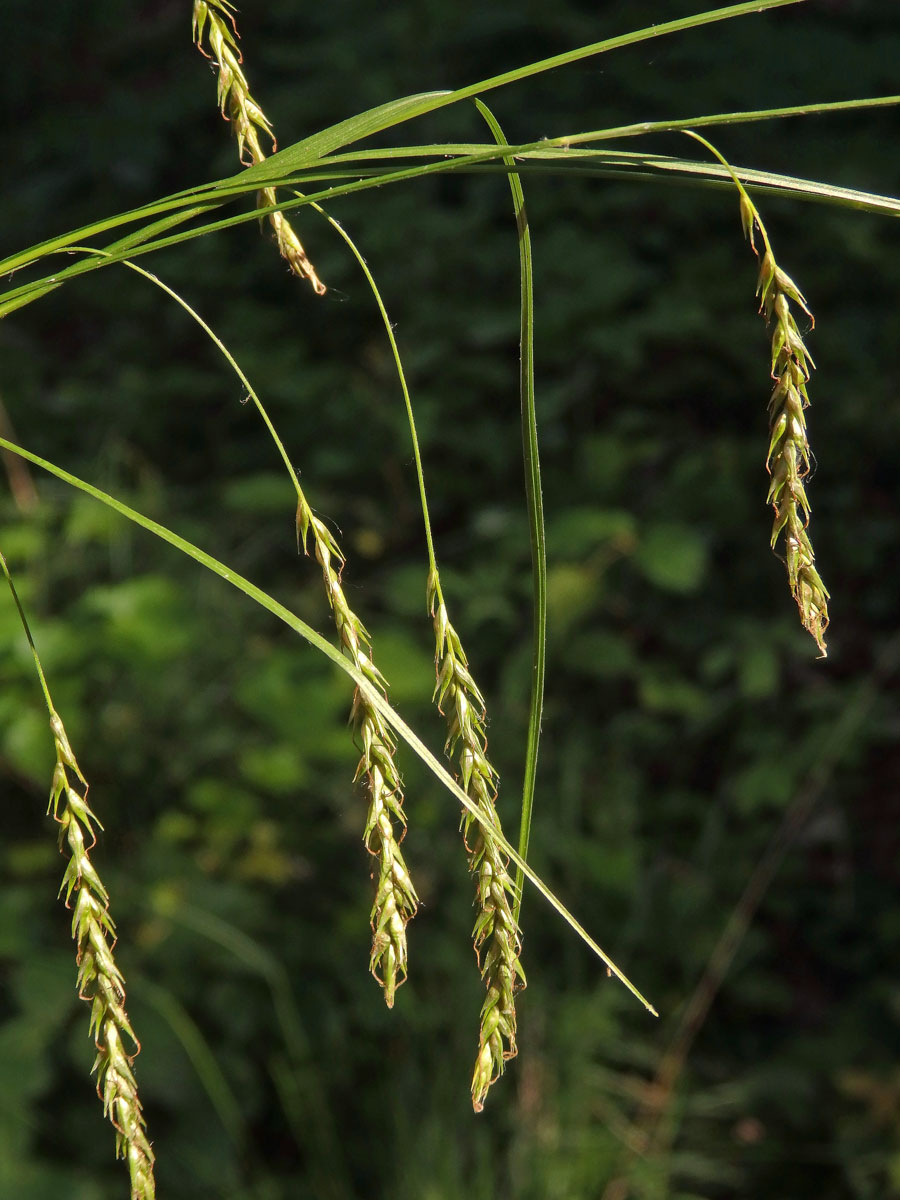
x=686 y=712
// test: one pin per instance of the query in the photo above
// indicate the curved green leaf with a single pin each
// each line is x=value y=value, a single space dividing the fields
x=354 y=129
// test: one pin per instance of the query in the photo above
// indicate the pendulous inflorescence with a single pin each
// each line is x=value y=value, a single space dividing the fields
x=395 y=897
x=498 y=943
x=215 y=20
x=100 y=982
x=788 y=458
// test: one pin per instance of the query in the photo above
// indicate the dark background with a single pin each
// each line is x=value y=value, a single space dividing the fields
x=688 y=725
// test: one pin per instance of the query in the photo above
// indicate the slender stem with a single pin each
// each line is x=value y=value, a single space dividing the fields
x=641 y=128
x=37 y=662
x=401 y=374
x=226 y=353
x=534 y=499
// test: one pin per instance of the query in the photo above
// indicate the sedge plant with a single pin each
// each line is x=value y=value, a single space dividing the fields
x=315 y=173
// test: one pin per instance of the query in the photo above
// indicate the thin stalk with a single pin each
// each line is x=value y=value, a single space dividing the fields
x=635 y=129
x=534 y=499
x=38 y=667
x=401 y=376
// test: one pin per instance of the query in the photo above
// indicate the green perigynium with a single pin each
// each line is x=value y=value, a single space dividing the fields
x=395 y=897
x=100 y=981
x=788 y=458
x=216 y=19
x=498 y=943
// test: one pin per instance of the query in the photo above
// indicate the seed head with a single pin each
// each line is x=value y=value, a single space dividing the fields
x=100 y=982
